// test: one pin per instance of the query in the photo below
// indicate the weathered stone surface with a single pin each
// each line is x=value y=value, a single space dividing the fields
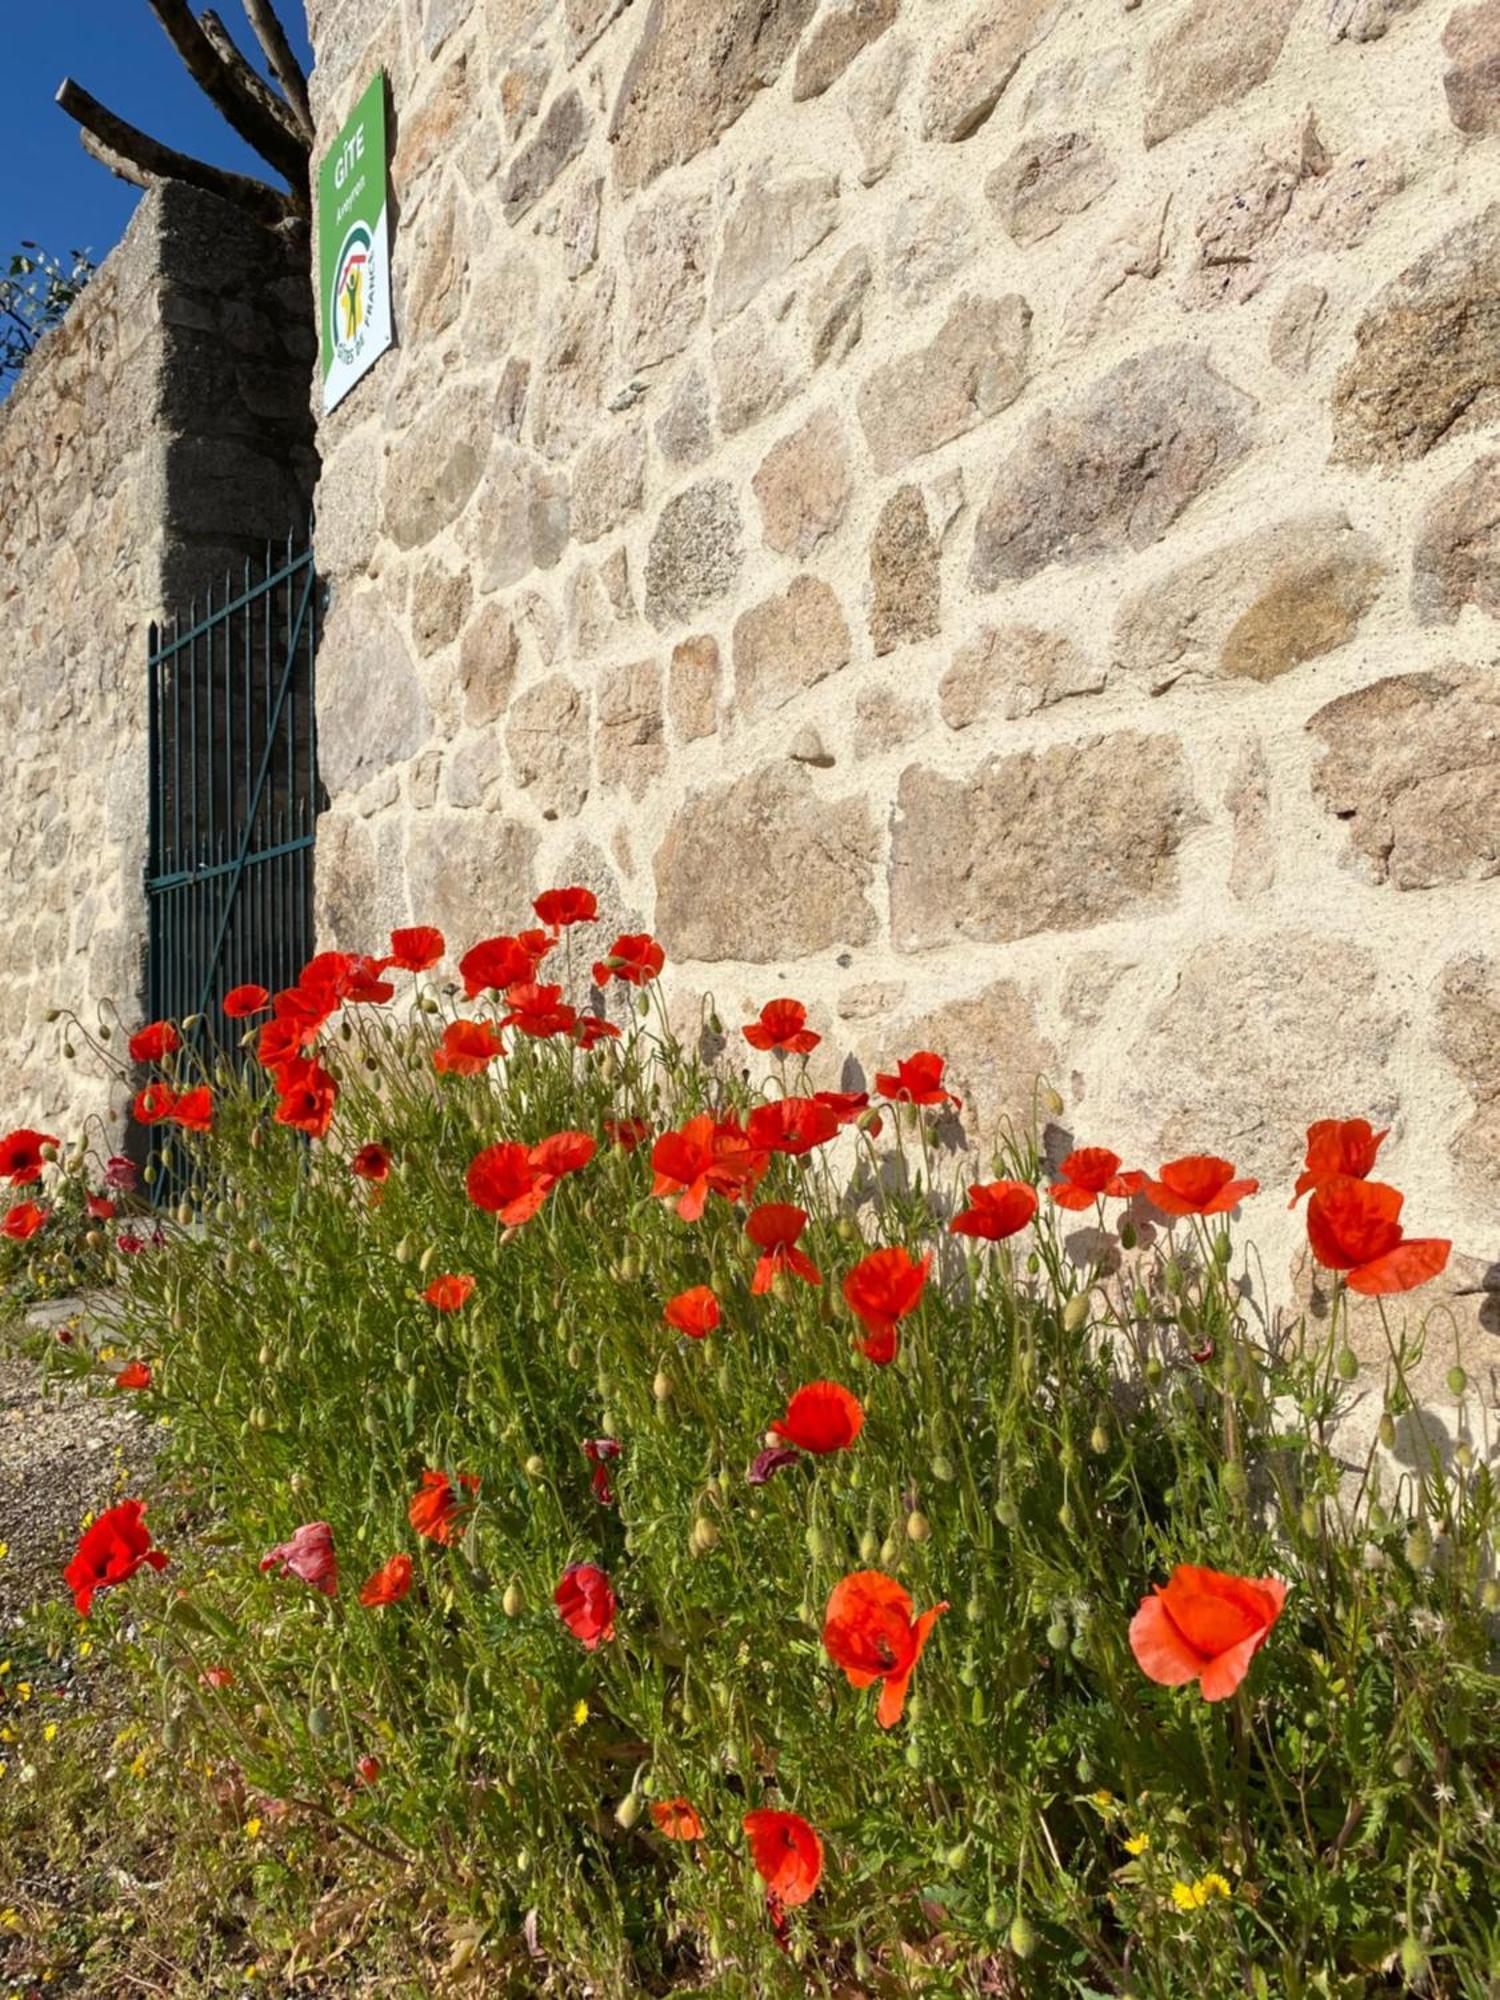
x=1364 y=20
x=432 y=470
x=1247 y=796
x=995 y=1052
x=1215 y=53
x=976 y=366
x=435 y=293
x=667 y=258
x=803 y=486
x=1014 y=670
x=685 y=429
x=835 y=307
x=787 y=645
x=609 y=480
x=695 y=553
x=594 y=619
x=884 y=722
x=1471 y=41
x=474 y=771
x=347 y=905
x=568 y=389
x=586 y=21
x=547 y=734
x=803 y=865
x=559 y=138
x=1468 y=1026
x=1208 y=1069
x=440 y=600
x=905 y=574
x=520 y=521
x=755 y=372
x=1256 y=608
x=697 y=66
x=1111 y=291
x=874 y=108
x=578 y=225
x=1299 y=331
x=1076 y=85
x=502 y=305
x=1055 y=840
x=463 y=865
x=969 y=73
x=836 y=38
x=929 y=237
x=372 y=711
x=1457 y=557
x=487 y=660
x=1412 y=765
x=1114 y=469
x=429 y=125
x=629 y=745
x=773 y=226
x=1427 y=365
x=693 y=688
x=1046 y=180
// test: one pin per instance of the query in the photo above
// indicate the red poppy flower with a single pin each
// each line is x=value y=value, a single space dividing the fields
x=770 y=1460
x=1206 y=1627
x=560 y=1154
x=283 y=1040
x=372 y=1162
x=1198 y=1185
x=366 y=985
x=335 y=976
x=635 y=958
x=706 y=1154
x=135 y=1375
x=467 y=1048
x=153 y=1104
x=791 y=1125
x=1092 y=1172
x=881 y=1290
x=503 y=1181
x=675 y=1819
x=591 y=1029
x=847 y=1106
x=416 y=950
x=436 y=1510
x=586 y=1604
x=21 y=1155
x=450 y=1293
x=121 y=1174
x=154 y=1042
x=100 y=1208
x=1338 y=1149
x=307 y=1104
x=367 y=1770
x=389 y=1584
x=557 y=908
x=308 y=1556
x=216 y=1678
x=788 y=1855
x=869 y=1631
x=194 y=1110
x=773 y=1228
x=821 y=1417
x=110 y=1551
x=782 y=1025
x=1354 y=1226
x=23 y=1221
x=497 y=963
x=240 y=1002
x=917 y=1080
x=626 y=1133
x=601 y=1453
x=539 y=1011
x=997 y=1209
x=694 y=1312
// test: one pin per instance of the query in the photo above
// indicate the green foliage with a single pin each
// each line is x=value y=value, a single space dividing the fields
x=1044 y=1820
x=35 y=294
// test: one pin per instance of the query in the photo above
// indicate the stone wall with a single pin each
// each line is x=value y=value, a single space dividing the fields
x=159 y=434
x=983 y=516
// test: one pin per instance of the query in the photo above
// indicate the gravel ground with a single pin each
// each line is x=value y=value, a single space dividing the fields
x=62 y=1448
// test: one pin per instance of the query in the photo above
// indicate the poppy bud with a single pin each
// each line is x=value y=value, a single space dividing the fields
x=232 y=1264
x=868 y=1121
x=630 y=1270
x=1129 y=1235
x=185 y=1213
x=705 y=1536
x=628 y=1811
x=403 y=1251
x=956 y=1856
x=1141 y=1303
x=69 y=1051
x=1007 y=1513
x=1307 y=1519
x=1458 y=1381
x=869 y=1546
x=993 y=1916
x=1067 y=1520
x=661 y=1387
x=149 y=1175
x=1154 y=1371
x=817 y=1544
x=1387 y=1431
x=513 y=1603
x=1067 y=1457
x=575 y=1354
x=914 y=1756
x=890 y=1548
x=1099 y=1440
x=1058 y=1634
x=1419 y=1548
x=1052 y=1102
x=1076 y=1313
x=918 y=1527
x=171 y=1733
x=1022 y=1938
x=1223 y=1247
x=536 y=1465
x=847 y=1229
x=942 y=1469
x=52 y=1014
x=94 y=1240
x=265 y=1357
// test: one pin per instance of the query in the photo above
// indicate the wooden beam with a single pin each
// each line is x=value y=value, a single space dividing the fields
x=130 y=147
x=242 y=112
x=251 y=80
x=286 y=69
x=119 y=166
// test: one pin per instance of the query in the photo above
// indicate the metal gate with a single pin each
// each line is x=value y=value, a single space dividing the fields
x=233 y=790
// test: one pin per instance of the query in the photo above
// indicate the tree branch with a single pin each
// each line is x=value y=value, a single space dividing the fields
x=251 y=81
x=285 y=67
x=118 y=165
x=134 y=154
x=244 y=113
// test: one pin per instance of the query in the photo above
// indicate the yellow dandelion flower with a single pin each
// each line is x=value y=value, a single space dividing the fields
x=4 y=1666
x=138 y=1766
x=252 y=1829
x=1213 y=1885
x=4 y=1552
x=1184 y=1896
x=1104 y=1800
x=1138 y=1843
x=7 y=1735
x=9 y=1921
x=49 y=1734
x=85 y=1649
x=23 y=1690
x=580 y=1714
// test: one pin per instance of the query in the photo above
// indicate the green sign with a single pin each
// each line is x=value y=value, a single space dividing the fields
x=354 y=248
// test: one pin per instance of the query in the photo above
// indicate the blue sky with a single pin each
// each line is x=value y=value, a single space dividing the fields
x=51 y=191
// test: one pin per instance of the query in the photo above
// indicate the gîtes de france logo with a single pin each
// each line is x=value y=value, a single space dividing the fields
x=352 y=295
